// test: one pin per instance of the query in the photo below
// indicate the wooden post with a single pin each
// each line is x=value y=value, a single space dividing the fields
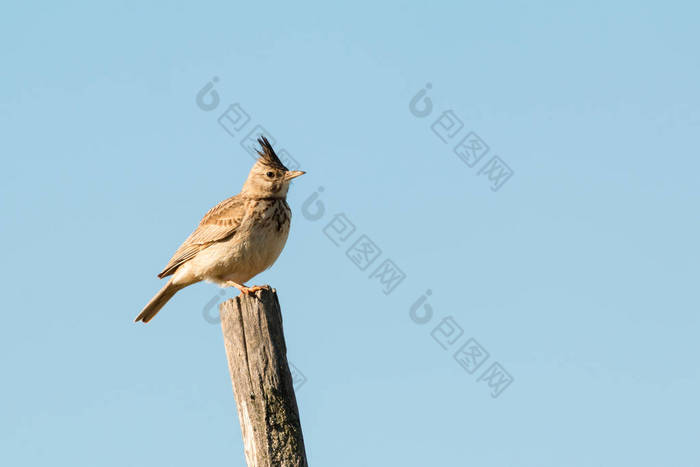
x=262 y=383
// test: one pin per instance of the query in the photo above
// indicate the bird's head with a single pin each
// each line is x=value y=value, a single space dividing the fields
x=268 y=178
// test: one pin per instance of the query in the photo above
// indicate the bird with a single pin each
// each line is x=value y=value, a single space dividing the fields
x=238 y=238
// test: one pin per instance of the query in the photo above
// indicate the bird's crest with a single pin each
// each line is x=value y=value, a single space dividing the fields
x=268 y=156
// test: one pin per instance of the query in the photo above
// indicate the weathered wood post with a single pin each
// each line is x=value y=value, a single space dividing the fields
x=262 y=382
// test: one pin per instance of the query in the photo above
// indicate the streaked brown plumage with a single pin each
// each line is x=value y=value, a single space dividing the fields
x=238 y=238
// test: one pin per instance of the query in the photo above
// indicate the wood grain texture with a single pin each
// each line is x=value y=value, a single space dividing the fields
x=262 y=382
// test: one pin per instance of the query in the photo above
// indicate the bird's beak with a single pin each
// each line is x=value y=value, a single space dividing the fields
x=293 y=174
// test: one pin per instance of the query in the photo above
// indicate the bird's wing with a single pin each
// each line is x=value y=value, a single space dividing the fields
x=218 y=224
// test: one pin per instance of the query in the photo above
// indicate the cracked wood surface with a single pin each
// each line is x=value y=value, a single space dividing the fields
x=262 y=382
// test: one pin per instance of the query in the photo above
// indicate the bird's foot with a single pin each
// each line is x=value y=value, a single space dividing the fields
x=255 y=288
x=247 y=290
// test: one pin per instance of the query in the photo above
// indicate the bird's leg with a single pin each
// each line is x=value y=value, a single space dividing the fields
x=244 y=289
x=240 y=287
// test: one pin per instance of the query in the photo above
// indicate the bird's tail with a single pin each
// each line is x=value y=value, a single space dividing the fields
x=157 y=302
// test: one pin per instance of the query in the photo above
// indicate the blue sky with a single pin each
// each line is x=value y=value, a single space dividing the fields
x=575 y=277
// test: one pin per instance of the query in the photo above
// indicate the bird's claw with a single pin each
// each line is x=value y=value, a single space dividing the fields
x=255 y=288
x=247 y=290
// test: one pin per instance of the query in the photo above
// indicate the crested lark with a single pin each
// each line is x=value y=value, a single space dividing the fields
x=238 y=238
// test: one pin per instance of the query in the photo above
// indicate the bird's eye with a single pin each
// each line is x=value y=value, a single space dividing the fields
x=270 y=175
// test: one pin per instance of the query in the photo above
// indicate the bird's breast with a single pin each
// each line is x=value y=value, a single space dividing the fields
x=260 y=239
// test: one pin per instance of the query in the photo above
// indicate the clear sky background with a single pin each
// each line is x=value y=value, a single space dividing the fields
x=579 y=276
